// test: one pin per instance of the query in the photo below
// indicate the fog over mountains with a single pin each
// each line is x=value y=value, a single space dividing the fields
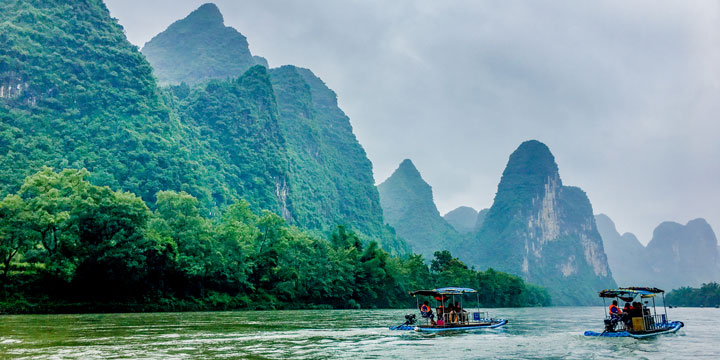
x=463 y=219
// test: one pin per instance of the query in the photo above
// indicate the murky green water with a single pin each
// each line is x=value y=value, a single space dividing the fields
x=531 y=333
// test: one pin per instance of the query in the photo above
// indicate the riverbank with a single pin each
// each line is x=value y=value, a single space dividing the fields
x=25 y=307
x=165 y=305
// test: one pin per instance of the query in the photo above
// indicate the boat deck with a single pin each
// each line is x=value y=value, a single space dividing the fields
x=645 y=332
x=669 y=328
x=455 y=326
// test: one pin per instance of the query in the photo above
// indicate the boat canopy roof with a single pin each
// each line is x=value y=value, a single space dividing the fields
x=630 y=292
x=443 y=291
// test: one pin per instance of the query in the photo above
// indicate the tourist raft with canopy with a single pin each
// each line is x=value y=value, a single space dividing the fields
x=447 y=313
x=636 y=320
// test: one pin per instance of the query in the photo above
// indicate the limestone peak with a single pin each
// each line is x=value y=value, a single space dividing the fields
x=207 y=13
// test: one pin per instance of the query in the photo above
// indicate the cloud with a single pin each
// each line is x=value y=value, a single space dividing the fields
x=624 y=94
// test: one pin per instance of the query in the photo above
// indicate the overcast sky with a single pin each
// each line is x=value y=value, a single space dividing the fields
x=625 y=94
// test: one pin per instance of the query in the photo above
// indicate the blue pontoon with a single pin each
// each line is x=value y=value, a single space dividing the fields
x=449 y=313
x=637 y=321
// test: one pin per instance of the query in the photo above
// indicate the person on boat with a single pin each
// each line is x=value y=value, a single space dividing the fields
x=440 y=311
x=637 y=310
x=462 y=314
x=614 y=310
x=450 y=314
x=427 y=312
x=627 y=315
x=628 y=308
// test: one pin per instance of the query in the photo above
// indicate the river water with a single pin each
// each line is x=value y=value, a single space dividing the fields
x=359 y=334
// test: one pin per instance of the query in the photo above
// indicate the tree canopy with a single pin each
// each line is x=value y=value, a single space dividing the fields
x=68 y=245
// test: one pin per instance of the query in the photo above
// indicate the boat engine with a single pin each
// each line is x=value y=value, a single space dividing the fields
x=609 y=325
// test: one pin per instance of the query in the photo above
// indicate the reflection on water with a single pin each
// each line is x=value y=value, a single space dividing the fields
x=531 y=333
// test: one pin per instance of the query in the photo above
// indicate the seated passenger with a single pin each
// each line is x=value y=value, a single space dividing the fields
x=462 y=314
x=637 y=310
x=628 y=308
x=426 y=312
x=452 y=313
x=626 y=315
x=614 y=310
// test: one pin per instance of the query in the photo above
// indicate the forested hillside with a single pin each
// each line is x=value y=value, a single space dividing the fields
x=315 y=167
x=235 y=132
x=331 y=178
x=407 y=201
x=75 y=93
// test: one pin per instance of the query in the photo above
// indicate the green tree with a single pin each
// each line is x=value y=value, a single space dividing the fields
x=707 y=295
x=47 y=195
x=235 y=236
x=111 y=247
x=177 y=217
x=14 y=236
x=93 y=246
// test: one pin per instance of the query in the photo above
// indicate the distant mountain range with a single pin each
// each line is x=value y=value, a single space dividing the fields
x=536 y=228
x=678 y=255
x=465 y=219
x=545 y=231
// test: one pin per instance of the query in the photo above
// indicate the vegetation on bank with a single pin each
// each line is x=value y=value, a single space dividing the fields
x=707 y=295
x=69 y=246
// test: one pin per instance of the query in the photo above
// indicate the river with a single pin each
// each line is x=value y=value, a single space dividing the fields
x=359 y=334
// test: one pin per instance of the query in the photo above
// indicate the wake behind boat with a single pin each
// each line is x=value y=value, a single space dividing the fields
x=636 y=320
x=448 y=314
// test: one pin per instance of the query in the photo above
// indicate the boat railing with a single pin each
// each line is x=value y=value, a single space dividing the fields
x=654 y=322
x=640 y=323
x=464 y=317
x=453 y=317
x=480 y=316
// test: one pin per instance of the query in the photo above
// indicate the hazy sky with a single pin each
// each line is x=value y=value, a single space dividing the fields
x=625 y=94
